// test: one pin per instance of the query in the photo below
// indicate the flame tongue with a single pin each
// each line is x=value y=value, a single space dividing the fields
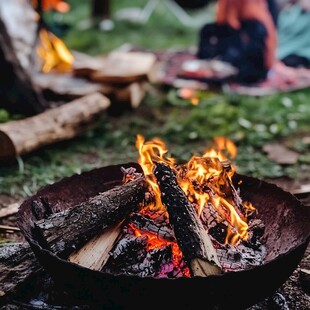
x=205 y=180
x=53 y=53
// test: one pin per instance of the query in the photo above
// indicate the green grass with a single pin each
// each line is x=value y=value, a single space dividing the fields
x=186 y=129
x=163 y=30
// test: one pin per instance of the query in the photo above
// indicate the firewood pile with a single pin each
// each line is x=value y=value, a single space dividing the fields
x=39 y=74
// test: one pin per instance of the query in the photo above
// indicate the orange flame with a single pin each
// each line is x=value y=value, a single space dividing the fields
x=53 y=53
x=49 y=5
x=205 y=179
x=149 y=152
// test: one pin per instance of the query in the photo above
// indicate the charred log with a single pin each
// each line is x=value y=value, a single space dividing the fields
x=145 y=223
x=63 y=232
x=17 y=263
x=194 y=242
x=130 y=250
x=131 y=257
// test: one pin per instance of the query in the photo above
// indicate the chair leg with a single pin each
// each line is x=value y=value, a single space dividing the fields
x=180 y=13
x=148 y=10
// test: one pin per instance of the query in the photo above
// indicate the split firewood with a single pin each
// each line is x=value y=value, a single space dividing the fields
x=65 y=87
x=95 y=253
x=9 y=210
x=194 y=241
x=132 y=94
x=65 y=231
x=9 y=228
x=124 y=67
x=61 y=123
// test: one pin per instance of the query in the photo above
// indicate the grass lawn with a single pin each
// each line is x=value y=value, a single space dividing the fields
x=186 y=129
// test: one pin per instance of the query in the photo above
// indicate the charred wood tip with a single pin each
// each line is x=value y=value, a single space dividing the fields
x=41 y=208
x=194 y=241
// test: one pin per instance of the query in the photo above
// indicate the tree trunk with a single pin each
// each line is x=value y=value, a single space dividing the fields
x=18 y=95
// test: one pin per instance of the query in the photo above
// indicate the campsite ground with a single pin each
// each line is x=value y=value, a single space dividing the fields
x=255 y=124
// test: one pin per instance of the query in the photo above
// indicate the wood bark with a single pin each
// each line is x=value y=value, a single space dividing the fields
x=163 y=232
x=17 y=263
x=65 y=231
x=61 y=123
x=18 y=94
x=194 y=242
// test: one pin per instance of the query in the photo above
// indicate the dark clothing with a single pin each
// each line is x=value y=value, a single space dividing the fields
x=244 y=48
x=296 y=61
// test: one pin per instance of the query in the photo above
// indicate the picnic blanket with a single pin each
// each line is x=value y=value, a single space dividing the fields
x=177 y=69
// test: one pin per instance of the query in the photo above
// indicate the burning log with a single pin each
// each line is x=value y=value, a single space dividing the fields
x=131 y=257
x=144 y=223
x=67 y=230
x=194 y=242
x=57 y=124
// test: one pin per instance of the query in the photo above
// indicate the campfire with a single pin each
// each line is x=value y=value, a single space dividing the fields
x=115 y=235
x=195 y=208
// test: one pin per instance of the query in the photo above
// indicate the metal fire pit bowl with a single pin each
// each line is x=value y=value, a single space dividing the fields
x=287 y=233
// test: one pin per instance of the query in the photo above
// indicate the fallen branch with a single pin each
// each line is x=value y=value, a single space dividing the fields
x=194 y=242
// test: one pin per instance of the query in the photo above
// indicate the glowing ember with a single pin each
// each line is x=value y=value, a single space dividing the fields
x=53 y=53
x=155 y=243
x=205 y=179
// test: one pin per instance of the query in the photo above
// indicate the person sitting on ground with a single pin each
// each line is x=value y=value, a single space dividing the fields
x=244 y=34
x=293 y=34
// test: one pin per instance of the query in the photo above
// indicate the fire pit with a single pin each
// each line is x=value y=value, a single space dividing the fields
x=283 y=236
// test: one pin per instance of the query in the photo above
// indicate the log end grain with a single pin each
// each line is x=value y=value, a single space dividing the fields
x=7 y=148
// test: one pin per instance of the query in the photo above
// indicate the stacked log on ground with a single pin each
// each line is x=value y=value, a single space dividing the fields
x=53 y=125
